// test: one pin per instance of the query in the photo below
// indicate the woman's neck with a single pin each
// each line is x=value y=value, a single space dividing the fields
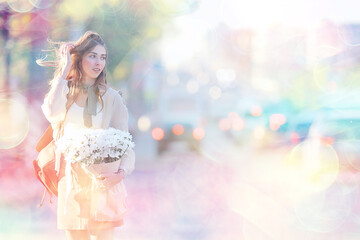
x=88 y=81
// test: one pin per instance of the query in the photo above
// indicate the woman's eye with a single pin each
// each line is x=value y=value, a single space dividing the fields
x=92 y=56
x=103 y=58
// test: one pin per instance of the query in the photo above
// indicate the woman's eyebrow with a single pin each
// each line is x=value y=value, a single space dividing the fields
x=97 y=54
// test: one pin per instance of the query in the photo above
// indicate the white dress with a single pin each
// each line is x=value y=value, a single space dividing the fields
x=75 y=202
x=74 y=209
x=75 y=119
x=74 y=205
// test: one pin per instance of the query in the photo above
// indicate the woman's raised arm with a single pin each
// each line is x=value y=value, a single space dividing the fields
x=54 y=107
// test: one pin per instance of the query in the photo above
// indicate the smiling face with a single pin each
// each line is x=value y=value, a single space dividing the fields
x=94 y=62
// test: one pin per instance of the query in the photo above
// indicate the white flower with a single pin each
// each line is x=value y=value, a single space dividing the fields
x=89 y=146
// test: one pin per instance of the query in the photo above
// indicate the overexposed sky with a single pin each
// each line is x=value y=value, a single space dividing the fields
x=257 y=13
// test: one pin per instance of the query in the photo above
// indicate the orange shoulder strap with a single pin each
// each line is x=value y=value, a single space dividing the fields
x=45 y=139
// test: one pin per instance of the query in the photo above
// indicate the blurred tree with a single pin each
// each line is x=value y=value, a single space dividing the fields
x=4 y=18
x=128 y=27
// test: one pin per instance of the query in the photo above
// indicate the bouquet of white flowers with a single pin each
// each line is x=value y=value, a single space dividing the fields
x=99 y=151
x=94 y=146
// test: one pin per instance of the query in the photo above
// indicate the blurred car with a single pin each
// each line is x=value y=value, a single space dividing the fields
x=338 y=128
x=299 y=126
x=179 y=113
x=265 y=126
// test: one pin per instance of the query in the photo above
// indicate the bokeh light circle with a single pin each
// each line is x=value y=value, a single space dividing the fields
x=316 y=164
x=348 y=35
x=175 y=7
x=256 y=111
x=158 y=134
x=21 y=6
x=199 y=133
x=14 y=123
x=42 y=4
x=113 y=6
x=276 y=120
x=144 y=123
x=178 y=129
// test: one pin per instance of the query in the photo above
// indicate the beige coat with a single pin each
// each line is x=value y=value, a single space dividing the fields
x=114 y=114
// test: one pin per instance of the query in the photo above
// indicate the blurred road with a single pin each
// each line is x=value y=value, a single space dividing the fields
x=221 y=192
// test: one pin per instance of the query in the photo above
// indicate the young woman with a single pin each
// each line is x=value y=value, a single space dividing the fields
x=80 y=98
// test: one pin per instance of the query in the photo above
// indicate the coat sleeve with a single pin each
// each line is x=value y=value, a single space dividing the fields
x=54 y=105
x=119 y=120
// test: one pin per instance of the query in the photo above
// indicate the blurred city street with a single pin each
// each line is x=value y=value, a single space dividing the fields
x=222 y=192
x=245 y=115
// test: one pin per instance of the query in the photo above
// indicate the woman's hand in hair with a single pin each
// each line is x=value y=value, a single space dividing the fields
x=65 y=59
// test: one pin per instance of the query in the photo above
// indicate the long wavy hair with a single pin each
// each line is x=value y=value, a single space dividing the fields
x=82 y=46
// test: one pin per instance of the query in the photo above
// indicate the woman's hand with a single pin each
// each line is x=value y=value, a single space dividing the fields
x=108 y=180
x=65 y=59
